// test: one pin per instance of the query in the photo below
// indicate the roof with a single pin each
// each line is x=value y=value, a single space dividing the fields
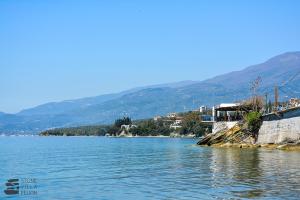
x=229 y=107
x=226 y=105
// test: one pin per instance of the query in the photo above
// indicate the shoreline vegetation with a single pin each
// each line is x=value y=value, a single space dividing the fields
x=189 y=126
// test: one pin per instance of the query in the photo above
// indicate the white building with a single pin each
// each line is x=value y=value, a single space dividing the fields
x=223 y=110
x=171 y=115
x=227 y=115
x=176 y=124
x=203 y=109
x=156 y=118
x=128 y=127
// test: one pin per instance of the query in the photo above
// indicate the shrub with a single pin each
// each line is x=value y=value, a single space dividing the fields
x=254 y=121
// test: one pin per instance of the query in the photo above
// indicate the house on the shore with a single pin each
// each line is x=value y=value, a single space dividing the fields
x=227 y=115
x=172 y=115
x=228 y=112
x=176 y=124
x=128 y=127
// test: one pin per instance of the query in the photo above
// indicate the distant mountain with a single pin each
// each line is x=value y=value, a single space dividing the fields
x=276 y=70
x=55 y=108
x=144 y=102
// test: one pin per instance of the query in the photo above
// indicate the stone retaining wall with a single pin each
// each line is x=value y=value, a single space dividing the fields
x=279 y=131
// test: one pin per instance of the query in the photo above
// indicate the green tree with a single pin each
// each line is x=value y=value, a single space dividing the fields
x=123 y=121
x=190 y=122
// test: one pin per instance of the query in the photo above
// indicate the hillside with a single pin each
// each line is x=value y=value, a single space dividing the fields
x=145 y=102
x=55 y=108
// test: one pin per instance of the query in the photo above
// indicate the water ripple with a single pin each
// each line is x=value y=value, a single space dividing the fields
x=147 y=168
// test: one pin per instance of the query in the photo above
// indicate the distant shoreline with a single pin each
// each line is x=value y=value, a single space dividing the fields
x=150 y=136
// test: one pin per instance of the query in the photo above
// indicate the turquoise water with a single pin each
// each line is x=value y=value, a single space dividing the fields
x=143 y=168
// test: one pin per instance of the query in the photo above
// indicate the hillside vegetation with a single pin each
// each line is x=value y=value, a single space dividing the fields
x=191 y=124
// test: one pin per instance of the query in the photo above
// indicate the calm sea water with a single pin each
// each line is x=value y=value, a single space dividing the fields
x=143 y=168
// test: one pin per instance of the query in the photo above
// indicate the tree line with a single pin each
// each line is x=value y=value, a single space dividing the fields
x=191 y=124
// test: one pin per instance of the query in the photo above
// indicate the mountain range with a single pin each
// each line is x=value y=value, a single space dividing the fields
x=146 y=102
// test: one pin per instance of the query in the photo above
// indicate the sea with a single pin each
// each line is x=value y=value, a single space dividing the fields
x=92 y=168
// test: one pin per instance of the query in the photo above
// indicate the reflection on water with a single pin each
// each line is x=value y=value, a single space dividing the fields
x=146 y=168
x=257 y=173
x=240 y=168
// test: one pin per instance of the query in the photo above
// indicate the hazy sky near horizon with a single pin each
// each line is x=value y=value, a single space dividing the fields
x=59 y=49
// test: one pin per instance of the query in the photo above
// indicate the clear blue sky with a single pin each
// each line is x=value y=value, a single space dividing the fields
x=58 y=50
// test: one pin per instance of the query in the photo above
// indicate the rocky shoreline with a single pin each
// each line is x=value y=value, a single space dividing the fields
x=288 y=146
x=239 y=137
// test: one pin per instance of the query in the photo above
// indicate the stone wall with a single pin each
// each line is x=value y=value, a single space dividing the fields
x=279 y=131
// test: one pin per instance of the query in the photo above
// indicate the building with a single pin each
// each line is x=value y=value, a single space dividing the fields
x=203 y=109
x=172 y=115
x=227 y=115
x=125 y=127
x=176 y=124
x=206 y=118
x=156 y=118
x=228 y=112
x=294 y=102
x=128 y=127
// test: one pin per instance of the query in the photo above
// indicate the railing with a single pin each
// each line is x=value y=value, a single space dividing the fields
x=229 y=118
x=283 y=106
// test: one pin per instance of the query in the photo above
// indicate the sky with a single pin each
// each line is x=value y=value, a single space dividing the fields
x=55 y=50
